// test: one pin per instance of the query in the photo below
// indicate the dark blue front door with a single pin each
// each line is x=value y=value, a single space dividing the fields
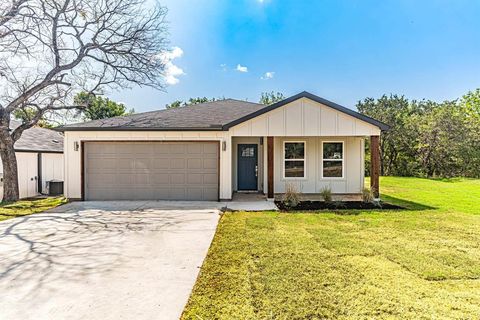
x=247 y=166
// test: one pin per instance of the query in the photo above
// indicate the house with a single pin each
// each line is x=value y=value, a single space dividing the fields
x=39 y=153
x=212 y=150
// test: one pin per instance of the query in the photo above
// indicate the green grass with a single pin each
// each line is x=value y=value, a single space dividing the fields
x=422 y=263
x=26 y=207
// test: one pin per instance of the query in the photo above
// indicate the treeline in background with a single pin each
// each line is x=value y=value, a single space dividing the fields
x=427 y=138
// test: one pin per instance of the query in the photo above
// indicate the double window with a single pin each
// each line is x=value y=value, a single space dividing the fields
x=294 y=159
x=332 y=159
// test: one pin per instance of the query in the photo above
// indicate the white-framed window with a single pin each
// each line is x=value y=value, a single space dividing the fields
x=333 y=159
x=294 y=159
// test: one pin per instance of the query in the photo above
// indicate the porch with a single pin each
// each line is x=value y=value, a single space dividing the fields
x=269 y=165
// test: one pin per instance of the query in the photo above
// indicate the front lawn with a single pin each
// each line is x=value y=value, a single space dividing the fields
x=423 y=262
x=26 y=207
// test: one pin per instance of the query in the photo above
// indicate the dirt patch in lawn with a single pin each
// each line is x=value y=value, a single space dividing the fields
x=350 y=205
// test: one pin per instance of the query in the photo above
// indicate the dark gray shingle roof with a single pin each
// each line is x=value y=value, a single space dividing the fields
x=204 y=116
x=38 y=139
x=212 y=116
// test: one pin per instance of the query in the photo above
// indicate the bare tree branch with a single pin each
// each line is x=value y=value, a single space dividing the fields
x=52 y=49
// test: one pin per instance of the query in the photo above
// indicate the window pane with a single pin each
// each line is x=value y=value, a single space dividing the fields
x=332 y=169
x=332 y=150
x=248 y=152
x=294 y=150
x=294 y=169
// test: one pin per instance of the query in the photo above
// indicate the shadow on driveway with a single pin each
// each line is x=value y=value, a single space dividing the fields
x=104 y=260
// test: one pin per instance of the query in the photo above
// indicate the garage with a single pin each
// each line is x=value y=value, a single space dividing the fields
x=151 y=170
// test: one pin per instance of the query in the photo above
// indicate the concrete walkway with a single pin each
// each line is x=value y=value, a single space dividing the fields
x=104 y=260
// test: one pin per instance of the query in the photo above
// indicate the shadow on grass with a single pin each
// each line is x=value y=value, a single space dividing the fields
x=409 y=205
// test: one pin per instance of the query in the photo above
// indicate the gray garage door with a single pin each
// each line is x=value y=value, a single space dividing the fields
x=151 y=171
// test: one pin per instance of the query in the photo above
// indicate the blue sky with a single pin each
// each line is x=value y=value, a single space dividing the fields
x=343 y=51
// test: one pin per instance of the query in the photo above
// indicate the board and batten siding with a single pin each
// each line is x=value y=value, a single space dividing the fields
x=352 y=181
x=304 y=117
x=73 y=182
x=52 y=168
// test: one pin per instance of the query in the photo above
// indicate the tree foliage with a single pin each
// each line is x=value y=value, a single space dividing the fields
x=427 y=138
x=97 y=107
x=180 y=103
x=268 y=98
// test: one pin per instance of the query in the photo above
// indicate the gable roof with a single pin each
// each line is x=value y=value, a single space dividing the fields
x=38 y=139
x=305 y=94
x=209 y=116
x=218 y=115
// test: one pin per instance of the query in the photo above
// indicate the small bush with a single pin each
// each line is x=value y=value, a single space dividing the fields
x=291 y=197
x=326 y=194
x=367 y=195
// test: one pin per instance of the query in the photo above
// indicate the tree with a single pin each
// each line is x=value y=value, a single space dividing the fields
x=100 y=108
x=51 y=49
x=396 y=144
x=191 y=101
x=268 y=98
x=427 y=138
x=27 y=114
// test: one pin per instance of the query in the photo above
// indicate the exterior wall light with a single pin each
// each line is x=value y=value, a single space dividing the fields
x=224 y=145
x=75 y=146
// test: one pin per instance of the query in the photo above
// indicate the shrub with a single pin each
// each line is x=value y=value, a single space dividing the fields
x=291 y=197
x=326 y=194
x=367 y=195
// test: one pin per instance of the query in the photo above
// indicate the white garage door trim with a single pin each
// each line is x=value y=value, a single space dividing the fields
x=85 y=145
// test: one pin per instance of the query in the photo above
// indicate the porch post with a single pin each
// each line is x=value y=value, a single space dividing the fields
x=375 y=165
x=270 y=193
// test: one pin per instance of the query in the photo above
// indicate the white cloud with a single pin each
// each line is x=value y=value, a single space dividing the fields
x=268 y=75
x=223 y=66
x=241 y=68
x=172 y=71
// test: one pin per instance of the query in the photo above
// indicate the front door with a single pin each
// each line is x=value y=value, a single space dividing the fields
x=247 y=165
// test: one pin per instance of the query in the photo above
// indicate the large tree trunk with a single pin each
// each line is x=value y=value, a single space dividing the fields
x=10 y=173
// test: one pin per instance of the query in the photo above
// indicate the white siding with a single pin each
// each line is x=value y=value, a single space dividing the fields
x=304 y=117
x=72 y=186
x=27 y=164
x=52 y=168
x=352 y=182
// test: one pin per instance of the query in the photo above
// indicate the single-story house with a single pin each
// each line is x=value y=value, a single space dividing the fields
x=39 y=153
x=211 y=150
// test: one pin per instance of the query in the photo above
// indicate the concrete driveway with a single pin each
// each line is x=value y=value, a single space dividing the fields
x=104 y=260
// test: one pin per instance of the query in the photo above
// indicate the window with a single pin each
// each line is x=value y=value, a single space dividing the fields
x=294 y=160
x=248 y=152
x=332 y=159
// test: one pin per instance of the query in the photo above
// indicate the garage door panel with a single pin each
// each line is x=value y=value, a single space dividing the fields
x=210 y=148
x=177 y=148
x=195 y=178
x=151 y=170
x=178 y=194
x=161 y=163
x=160 y=178
x=194 y=163
x=195 y=149
x=123 y=179
x=177 y=178
x=209 y=193
x=210 y=179
x=210 y=163
x=195 y=193
x=177 y=163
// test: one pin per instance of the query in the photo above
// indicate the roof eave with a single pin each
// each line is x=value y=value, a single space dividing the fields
x=64 y=129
